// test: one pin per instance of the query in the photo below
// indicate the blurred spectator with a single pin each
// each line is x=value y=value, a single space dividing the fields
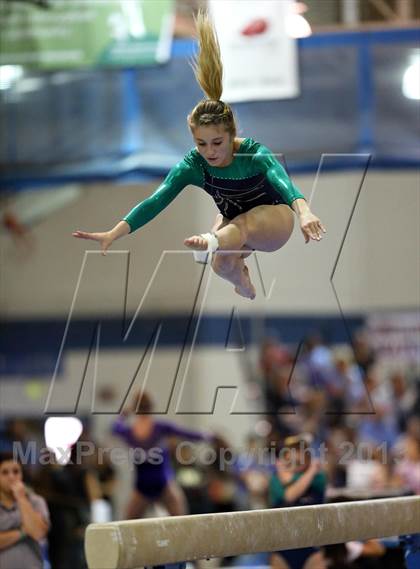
x=299 y=480
x=335 y=390
x=253 y=471
x=367 y=468
x=378 y=426
x=407 y=471
x=273 y=355
x=415 y=381
x=107 y=480
x=318 y=361
x=355 y=393
x=70 y=491
x=19 y=435
x=24 y=519
x=364 y=355
x=191 y=476
x=346 y=390
x=281 y=404
x=339 y=440
x=221 y=491
x=403 y=398
x=15 y=431
x=99 y=465
x=222 y=487
x=413 y=426
x=313 y=413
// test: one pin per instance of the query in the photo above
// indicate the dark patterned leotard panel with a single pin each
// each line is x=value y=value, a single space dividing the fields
x=234 y=197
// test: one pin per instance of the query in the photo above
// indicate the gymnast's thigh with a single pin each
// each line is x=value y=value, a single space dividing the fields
x=268 y=227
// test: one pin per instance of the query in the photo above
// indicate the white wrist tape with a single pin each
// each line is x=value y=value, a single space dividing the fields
x=212 y=246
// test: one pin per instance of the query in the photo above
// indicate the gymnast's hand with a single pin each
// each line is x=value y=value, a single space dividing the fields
x=311 y=226
x=105 y=239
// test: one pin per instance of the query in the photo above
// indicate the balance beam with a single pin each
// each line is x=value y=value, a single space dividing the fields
x=158 y=541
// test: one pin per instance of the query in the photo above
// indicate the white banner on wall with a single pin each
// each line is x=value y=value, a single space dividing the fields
x=259 y=57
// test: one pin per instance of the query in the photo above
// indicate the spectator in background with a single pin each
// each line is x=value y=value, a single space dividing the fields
x=273 y=354
x=407 y=471
x=299 y=481
x=341 y=390
x=15 y=431
x=415 y=381
x=283 y=386
x=364 y=355
x=413 y=426
x=281 y=404
x=339 y=440
x=101 y=470
x=313 y=413
x=107 y=480
x=70 y=490
x=403 y=398
x=155 y=479
x=378 y=426
x=318 y=361
x=19 y=434
x=367 y=468
x=355 y=391
x=192 y=477
x=222 y=490
x=24 y=519
x=253 y=471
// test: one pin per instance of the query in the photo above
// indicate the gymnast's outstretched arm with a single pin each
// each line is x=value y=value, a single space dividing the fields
x=180 y=176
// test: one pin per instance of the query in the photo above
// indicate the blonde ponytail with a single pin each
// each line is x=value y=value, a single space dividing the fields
x=207 y=65
x=208 y=71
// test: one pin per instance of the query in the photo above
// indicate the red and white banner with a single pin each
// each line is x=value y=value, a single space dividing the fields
x=259 y=56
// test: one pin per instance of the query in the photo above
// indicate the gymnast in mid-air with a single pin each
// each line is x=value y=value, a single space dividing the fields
x=256 y=198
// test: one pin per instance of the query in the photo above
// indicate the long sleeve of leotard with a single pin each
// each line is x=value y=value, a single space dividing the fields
x=171 y=430
x=180 y=176
x=276 y=175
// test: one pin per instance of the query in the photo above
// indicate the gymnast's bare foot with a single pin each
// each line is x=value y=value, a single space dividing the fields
x=246 y=288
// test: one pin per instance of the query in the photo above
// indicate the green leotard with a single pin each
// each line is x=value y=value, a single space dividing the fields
x=254 y=177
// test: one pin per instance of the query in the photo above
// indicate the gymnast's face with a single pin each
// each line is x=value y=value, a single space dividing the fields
x=214 y=144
